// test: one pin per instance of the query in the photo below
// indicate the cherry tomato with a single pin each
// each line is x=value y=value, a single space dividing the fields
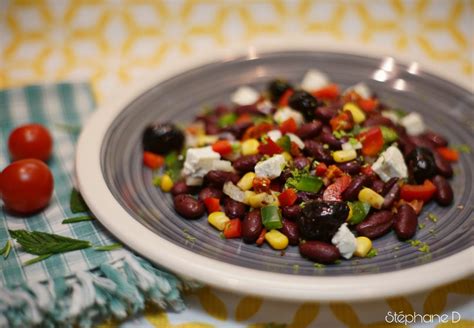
x=26 y=186
x=30 y=141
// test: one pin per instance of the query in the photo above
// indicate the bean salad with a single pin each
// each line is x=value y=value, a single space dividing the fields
x=313 y=166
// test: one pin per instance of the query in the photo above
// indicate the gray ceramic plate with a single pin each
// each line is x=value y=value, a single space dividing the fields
x=119 y=190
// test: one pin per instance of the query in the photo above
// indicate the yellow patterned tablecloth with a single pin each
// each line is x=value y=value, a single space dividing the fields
x=117 y=43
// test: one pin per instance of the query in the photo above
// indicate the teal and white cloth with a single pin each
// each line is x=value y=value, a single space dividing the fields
x=80 y=287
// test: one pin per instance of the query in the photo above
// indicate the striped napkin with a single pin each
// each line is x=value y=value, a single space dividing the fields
x=79 y=287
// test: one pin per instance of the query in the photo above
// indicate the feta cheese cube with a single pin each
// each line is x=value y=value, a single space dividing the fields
x=413 y=123
x=361 y=89
x=245 y=96
x=285 y=113
x=390 y=164
x=270 y=168
x=345 y=241
x=294 y=138
x=198 y=162
x=274 y=135
x=391 y=115
x=314 y=80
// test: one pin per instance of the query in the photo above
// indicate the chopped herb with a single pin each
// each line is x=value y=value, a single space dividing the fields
x=173 y=165
x=78 y=219
x=221 y=236
x=421 y=225
x=156 y=181
x=356 y=130
x=353 y=141
x=296 y=268
x=227 y=119
x=77 y=203
x=111 y=247
x=421 y=246
x=463 y=148
x=337 y=262
x=37 y=259
x=400 y=112
x=42 y=243
x=5 y=251
x=373 y=252
x=432 y=231
x=319 y=266
x=433 y=217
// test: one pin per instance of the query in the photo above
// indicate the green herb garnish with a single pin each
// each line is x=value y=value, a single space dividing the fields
x=433 y=217
x=42 y=243
x=5 y=251
x=463 y=148
x=78 y=219
x=226 y=120
x=77 y=203
x=319 y=266
x=421 y=246
x=421 y=225
x=111 y=247
x=173 y=165
x=373 y=252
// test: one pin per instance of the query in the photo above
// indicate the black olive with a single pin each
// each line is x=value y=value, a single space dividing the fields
x=162 y=138
x=320 y=220
x=276 y=89
x=305 y=103
x=421 y=164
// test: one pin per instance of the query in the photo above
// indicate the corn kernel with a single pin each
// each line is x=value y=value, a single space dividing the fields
x=218 y=220
x=250 y=147
x=262 y=199
x=357 y=114
x=166 y=183
x=246 y=182
x=363 y=246
x=367 y=195
x=342 y=156
x=349 y=216
x=247 y=195
x=276 y=239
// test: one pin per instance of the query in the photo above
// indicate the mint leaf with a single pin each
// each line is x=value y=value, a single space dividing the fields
x=42 y=243
x=77 y=203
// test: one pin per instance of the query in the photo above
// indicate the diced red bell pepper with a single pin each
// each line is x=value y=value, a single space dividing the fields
x=212 y=204
x=261 y=237
x=422 y=192
x=223 y=147
x=233 y=229
x=261 y=184
x=244 y=118
x=285 y=97
x=368 y=105
x=269 y=147
x=448 y=154
x=288 y=126
x=329 y=92
x=333 y=191
x=371 y=140
x=321 y=169
x=295 y=150
x=343 y=121
x=152 y=160
x=256 y=131
x=287 y=198
x=367 y=170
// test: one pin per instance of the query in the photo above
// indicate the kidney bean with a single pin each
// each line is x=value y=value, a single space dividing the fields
x=443 y=167
x=444 y=192
x=319 y=251
x=391 y=196
x=422 y=142
x=405 y=222
x=301 y=162
x=234 y=209
x=237 y=129
x=309 y=130
x=291 y=212
x=210 y=192
x=290 y=230
x=248 y=109
x=211 y=128
x=246 y=163
x=376 y=120
x=405 y=144
x=328 y=138
x=221 y=110
x=315 y=149
x=218 y=178
x=188 y=206
x=376 y=225
x=180 y=187
x=377 y=185
x=435 y=139
x=352 y=191
x=352 y=167
x=325 y=113
x=388 y=185
x=251 y=226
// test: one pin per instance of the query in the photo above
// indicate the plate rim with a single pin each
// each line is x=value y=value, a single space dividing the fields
x=229 y=276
